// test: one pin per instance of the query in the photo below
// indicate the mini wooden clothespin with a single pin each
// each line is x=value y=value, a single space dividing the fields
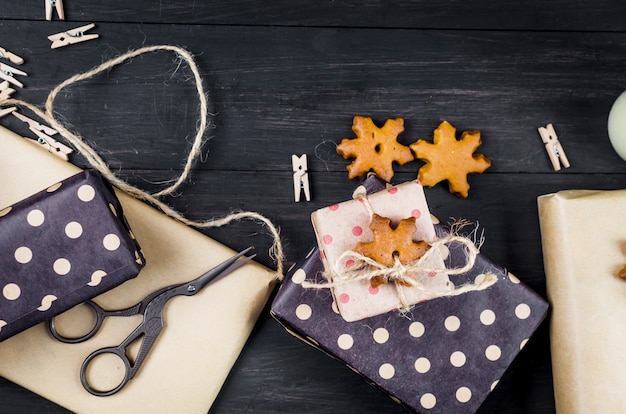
x=11 y=57
x=57 y=5
x=5 y=90
x=553 y=147
x=8 y=74
x=69 y=37
x=4 y=112
x=44 y=139
x=300 y=177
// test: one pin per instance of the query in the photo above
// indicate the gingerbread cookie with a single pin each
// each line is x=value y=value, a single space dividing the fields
x=390 y=243
x=450 y=159
x=374 y=149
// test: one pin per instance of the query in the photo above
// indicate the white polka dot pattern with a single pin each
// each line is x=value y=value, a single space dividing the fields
x=73 y=230
x=386 y=371
x=428 y=401
x=303 y=312
x=493 y=352
x=452 y=350
x=487 y=317
x=422 y=365
x=60 y=247
x=463 y=394
x=345 y=341
x=416 y=329
x=298 y=277
x=86 y=193
x=23 y=255
x=381 y=335
x=11 y=291
x=35 y=218
x=46 y=303
x=458 y=359
x=62 y=266
x=452 y=323
x=111 y=242
x=522 y=311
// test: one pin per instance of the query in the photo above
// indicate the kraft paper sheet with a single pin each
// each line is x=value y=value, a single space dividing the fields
x=203 y=335
x=584 y=246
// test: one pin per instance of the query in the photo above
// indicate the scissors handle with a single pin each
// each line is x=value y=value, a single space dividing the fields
x=99 y=314
x=147 y=333
x=117 y=351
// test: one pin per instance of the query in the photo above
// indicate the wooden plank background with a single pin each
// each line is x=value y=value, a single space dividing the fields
x=287 y=78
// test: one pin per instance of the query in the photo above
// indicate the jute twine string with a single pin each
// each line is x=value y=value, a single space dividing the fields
x=94 y=159
x=402 y=275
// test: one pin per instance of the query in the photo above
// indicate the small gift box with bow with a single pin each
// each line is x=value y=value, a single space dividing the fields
x=381 y=252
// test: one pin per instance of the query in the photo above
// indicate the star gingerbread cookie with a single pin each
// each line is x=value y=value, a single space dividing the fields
x=450 y=159
x=374 y=149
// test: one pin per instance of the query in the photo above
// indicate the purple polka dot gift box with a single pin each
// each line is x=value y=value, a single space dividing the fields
x=61 y=247
x=444 y=356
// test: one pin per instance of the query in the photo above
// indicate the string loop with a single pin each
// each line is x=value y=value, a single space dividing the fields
x=94 y=159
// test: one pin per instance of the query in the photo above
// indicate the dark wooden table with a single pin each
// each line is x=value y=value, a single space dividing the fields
x=286 y=77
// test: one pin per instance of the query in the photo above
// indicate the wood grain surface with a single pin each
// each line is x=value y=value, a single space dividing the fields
x=287 y=78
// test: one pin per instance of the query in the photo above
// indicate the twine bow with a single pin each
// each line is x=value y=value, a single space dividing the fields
x=404 y=275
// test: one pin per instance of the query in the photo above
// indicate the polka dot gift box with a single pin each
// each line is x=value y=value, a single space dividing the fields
x=445 y=356
x=340 y=227
x=60 y=247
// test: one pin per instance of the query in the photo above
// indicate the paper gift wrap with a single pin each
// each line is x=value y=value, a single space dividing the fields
x=60 y=247
x=202 y=337
x=584 y=247
x=339 y=227
x=445 y=356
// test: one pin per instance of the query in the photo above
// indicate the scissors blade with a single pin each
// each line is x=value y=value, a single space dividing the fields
x=221 y=269
x=154 y=302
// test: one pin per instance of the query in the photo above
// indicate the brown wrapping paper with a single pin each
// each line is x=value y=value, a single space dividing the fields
x=584 y=246
x=203 y=335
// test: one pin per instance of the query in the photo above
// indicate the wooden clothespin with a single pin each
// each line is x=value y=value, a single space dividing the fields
x=34 y=125
x=4 y=112
x=5 y=90
x=69 y=37
x=553 y=147
x=300 y=177
x=44 y=139
x=8 y=74
x=11 y=57
x=57 y=5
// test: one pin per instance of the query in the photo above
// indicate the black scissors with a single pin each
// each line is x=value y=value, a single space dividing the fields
x=151 y=307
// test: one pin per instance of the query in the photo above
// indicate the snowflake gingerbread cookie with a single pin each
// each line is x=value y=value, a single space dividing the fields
x=450 y=159
x=374 y=149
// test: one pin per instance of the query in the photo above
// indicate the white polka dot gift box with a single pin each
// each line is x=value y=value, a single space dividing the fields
x=444 y=356
x=60 y=247
x=340 y=227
